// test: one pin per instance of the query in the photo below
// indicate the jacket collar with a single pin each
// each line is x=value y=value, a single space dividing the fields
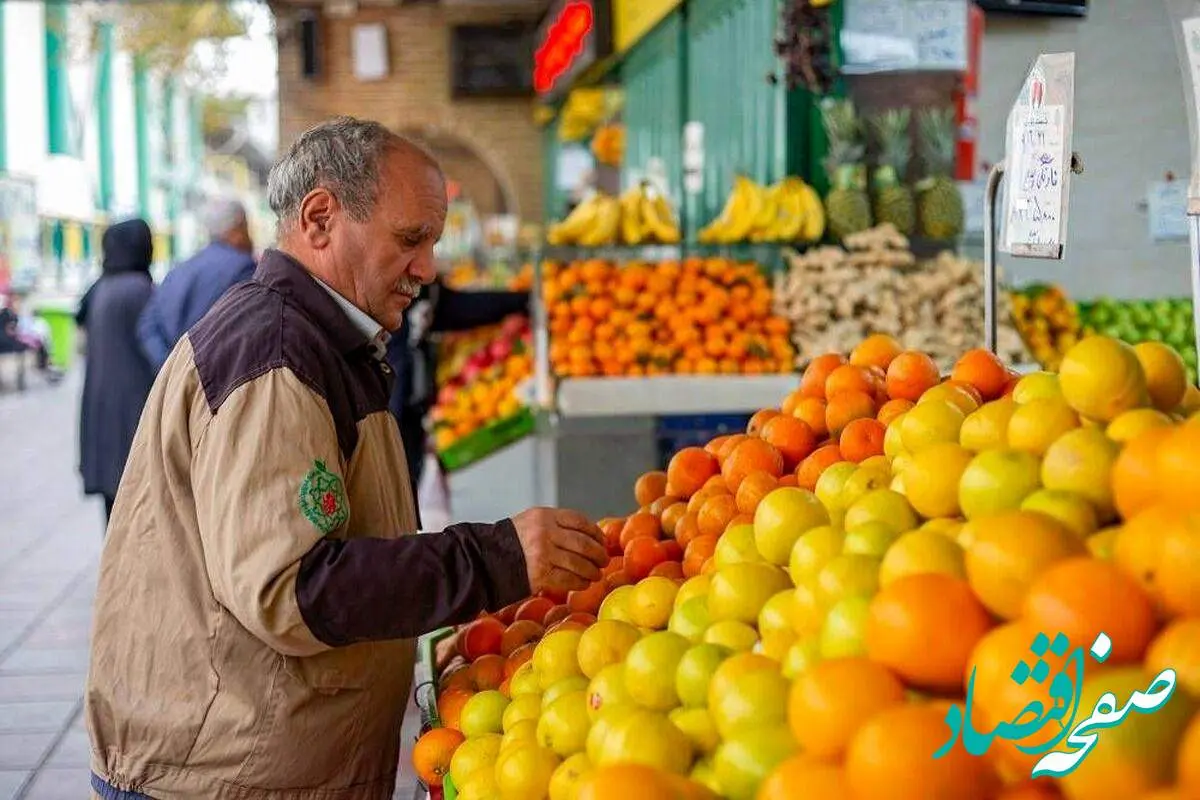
x=290 y=278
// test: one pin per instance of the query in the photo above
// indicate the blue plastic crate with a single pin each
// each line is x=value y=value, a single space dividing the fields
x=677 y=432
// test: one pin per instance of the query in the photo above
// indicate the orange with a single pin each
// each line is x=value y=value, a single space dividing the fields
x=728 y=446
x=998 y=698
x=844 y=408
x=833 y=699
x=1179 y=571
x=759 y=419
x=671 y=515
x=611 y=528
x=715 y=514
x=753 y=488
x=519 y=656
x=519 y=633
x=1135 y=483
x=713 y=448
x=587 y=601
x=792 y=437
x=910 y=374
x=891 y=757
x=642 y=525
x=811 y=468
x=1188 y=768
x=892 y=409
x=877 y=350
x=1008 y=551
x=751 y=455
x=715 y=485
x=811 y=411
x=805 y=776
x=924 y=627
x=432 y=753
x=688 y=527
x=788 y=406
x=983 y=370
x=1041 y=789
x=482 y=637
x=688 y=470
x=642 y=555
x=1166 y=375
x=862 y=439
x=628 y=780
x=1177 y=647
x=812 y=383
x=1138 y=548
x=848 y=378
x=649 y=487
x=487 y=672
x=1178 y=468
x=1100 y=377
x=450 y=705
x=1083 y=597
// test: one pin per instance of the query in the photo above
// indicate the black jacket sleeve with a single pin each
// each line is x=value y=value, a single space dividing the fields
x=458 y=311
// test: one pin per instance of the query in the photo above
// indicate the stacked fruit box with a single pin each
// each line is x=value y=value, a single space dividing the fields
x=818 y=606
x=478 y=409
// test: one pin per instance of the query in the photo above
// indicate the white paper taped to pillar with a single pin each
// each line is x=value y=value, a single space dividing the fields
x=1038 y=160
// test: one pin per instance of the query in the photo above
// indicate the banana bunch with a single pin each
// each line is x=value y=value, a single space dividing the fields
x=788 y=211
x=646 y=217
x=593 y=223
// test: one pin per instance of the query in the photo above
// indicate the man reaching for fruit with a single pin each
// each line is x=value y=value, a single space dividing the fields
x=258 y=597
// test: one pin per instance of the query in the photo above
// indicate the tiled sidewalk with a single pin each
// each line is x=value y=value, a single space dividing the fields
x=50 y=538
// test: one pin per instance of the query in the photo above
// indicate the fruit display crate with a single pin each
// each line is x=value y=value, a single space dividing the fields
x=668 y=395
x=487 y=440
x=769 y=256
x=426 y=696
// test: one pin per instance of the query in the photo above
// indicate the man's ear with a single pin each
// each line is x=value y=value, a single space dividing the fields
x=317 y=217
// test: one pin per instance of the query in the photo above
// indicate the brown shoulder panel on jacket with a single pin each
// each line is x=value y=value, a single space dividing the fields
x=375 y=589
x=283 y=319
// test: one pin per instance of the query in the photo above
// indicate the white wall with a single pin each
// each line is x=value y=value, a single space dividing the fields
x=25 y=105
x=1130 y=129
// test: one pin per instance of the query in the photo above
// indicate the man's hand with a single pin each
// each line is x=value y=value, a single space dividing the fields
x=563 y=549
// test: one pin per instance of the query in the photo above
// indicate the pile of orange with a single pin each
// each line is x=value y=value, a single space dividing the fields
x=490 y=398
x=864 y=725
x=696 y=316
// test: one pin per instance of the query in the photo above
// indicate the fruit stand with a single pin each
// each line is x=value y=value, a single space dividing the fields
x=815 y=606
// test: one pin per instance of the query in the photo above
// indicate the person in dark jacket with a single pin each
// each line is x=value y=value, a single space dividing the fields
x=193 y=287
x=411 y=354
x=117 y=376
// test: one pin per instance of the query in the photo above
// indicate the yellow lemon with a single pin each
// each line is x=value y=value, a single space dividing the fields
x=997 y=480
x=812 y=551
x=950 y=393
x=1074 y=512
x=832 y=481
x=987 y=427
x=921 y=551
x=881 y=505
x=1035 y=425
x=1035 y=385
x=931 y=479
x=652 y=601
x=1101 y=377
x=893 y=444
x=1081 y=462
x=1128 y=425
x=1166 y=375
x=847 y=575
x=782 y=517
x=1103 y=544
x=930 y=423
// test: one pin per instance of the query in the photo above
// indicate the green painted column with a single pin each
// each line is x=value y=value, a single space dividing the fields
x=58 y=90
x=104 y=117
x=169 y=157
x=141 y=111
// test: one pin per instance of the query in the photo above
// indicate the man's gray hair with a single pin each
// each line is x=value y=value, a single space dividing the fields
x=342 y=155
x=223 y=215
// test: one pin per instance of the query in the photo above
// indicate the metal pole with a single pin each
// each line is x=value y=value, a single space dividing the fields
x=989 y=255
x=1194 y=237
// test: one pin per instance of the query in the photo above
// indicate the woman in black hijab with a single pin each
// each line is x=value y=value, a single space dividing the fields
x=118 y=375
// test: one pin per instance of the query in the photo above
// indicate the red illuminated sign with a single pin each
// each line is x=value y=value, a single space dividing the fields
x=564 y=42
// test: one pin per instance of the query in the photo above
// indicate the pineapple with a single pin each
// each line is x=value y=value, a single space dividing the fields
x=846 y=205
x=939 y=204
x=893 y=200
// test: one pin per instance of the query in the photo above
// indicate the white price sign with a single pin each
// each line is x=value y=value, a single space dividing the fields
x=1038 y=160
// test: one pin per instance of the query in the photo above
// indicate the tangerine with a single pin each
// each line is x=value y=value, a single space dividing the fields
x=984 y=370
x=811 y=411
x=792 y=437
x=1083 y=597
x=889 y=411
x=432 y=753
x=812 y=382
x=519 y=633
x=844 y=408
x=848 y=378
x=811 y=469
x=751 y=455
x=910 y=374
x=924 y=627
x=688 y=470
x=1166 y=375
x=861 y=439
x=688 y=527
x=1179 y=570
x=805 y=776
x=671 y=516
x=482 y=637
x=753 y=489
x=642 y=525
x=833 y=699
x=714 y=515
x=1177 y=647
x=649 y=487
x=877 y=350
x=760 y=419
x=450 y=705
x=642 y=555
x=1178 y=467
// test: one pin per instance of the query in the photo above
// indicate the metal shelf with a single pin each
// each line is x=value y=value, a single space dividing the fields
x=666 y=395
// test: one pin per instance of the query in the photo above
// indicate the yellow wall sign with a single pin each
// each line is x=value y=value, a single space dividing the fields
x=633 y=19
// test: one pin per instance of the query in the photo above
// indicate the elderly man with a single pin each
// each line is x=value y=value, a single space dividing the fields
x=191 y=289
x=258 y=593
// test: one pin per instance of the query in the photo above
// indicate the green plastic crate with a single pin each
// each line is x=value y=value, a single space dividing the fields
x=427 y=700
x=487 y=440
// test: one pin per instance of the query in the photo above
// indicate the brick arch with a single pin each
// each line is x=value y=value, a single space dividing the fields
x=438 y=137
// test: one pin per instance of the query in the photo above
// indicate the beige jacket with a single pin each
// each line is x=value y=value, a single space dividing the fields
x=257 y=599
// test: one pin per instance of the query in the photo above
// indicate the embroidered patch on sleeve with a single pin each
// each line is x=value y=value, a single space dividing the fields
x=323 y=499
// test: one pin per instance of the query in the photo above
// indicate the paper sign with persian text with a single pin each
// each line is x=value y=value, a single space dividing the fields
x=1037 y=170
